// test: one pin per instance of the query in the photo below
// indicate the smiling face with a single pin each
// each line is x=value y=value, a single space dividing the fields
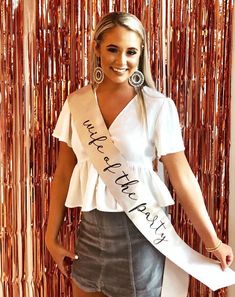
x=119 y=51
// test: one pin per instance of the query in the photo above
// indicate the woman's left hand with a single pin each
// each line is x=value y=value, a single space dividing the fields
x=225 y=255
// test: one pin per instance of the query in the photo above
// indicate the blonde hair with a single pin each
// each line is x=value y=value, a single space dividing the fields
x=130 y=22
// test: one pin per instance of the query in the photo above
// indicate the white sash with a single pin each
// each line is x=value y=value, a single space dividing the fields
x=144 y=212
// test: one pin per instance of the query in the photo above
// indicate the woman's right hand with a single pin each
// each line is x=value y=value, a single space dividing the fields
x=62 y=257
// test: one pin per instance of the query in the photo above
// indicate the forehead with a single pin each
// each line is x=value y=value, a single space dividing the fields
x=120 y=35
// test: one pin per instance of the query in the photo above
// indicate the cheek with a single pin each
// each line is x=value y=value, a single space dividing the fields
x=106 y=60
x=134 y=62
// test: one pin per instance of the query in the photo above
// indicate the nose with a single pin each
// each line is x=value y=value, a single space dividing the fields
x=121 y=59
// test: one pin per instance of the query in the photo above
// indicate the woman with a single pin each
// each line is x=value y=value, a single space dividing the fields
x=112 y=257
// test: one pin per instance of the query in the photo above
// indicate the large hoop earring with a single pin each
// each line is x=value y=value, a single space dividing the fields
x=136 y=79
x=98 y=75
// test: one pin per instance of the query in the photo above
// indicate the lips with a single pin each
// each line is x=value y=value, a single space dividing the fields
x=119 y=70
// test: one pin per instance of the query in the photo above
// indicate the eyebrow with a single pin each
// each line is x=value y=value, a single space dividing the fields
x=113 y=45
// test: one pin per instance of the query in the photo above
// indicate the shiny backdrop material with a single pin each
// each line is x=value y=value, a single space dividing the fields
x=44 y=52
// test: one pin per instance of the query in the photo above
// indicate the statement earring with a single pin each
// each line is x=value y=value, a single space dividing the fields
x=98 y=75
x=136 y=79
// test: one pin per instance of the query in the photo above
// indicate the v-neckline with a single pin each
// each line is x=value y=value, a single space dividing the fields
x=118 y=115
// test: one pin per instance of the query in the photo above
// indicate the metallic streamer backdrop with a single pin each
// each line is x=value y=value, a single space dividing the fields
x=44 y=49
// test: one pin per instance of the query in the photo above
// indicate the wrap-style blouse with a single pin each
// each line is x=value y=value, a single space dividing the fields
x=138 y=143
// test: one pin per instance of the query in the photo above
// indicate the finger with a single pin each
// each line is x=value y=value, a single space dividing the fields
x=223 y=264
x=229 y=260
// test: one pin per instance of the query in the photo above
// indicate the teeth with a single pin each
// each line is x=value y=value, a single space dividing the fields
x=120 y=70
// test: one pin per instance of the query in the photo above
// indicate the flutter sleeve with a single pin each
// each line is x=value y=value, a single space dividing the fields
x=63 y=128
x=168 y=135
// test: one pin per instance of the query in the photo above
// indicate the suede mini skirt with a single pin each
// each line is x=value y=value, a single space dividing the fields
x=115 y=258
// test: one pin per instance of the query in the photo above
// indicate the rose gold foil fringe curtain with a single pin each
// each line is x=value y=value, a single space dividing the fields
x=44 y=50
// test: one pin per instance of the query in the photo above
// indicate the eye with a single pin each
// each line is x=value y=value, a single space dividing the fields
x=131 y=52
x=112 y=49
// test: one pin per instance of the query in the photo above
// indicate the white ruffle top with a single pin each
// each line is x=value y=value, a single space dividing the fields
x=86 y=189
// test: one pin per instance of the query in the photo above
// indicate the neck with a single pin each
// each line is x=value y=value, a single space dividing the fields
x=109 y=86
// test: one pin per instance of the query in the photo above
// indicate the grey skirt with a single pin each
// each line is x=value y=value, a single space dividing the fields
x=115 y=258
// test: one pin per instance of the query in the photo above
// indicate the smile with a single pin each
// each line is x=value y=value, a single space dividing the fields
x=119 y=70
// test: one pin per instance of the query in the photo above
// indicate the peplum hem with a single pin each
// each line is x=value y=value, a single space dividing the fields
x=87 y=189
x=137 y=145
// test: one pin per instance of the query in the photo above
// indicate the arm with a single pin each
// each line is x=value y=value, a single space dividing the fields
x=190 y=196
x=59 y=188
